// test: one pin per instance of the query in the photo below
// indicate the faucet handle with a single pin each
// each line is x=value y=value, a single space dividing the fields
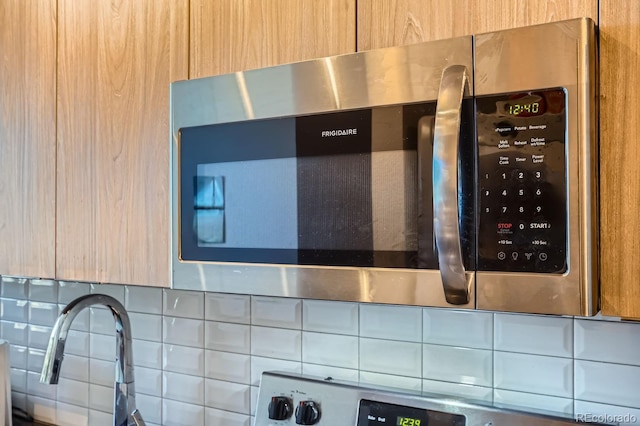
x=137 y=418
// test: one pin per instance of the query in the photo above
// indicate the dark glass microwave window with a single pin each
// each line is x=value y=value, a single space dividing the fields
x=328 y=189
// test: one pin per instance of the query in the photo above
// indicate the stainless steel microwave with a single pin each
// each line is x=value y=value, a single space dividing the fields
x=454 y=173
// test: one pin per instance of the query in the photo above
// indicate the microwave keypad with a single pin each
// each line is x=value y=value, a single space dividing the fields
x=522 y=213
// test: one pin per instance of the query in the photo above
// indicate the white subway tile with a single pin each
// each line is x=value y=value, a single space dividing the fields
x=183 y=359
x=75 y=367
x=71 y=290
x=42 y=390
x=227 y=396
x=114 y=290
x=77 y=343
x=147 y=354
x=35 y=360
x=146 y=327
x=184 y=304
x=605 y=383
x=276 y=343
x=148 y=381
x=17 y=333
x=607 y=341
x=18 y=355
x=458 y=365
x=544 y=404
x=228 y=337
x=14 y=288
x=182 y=331
x=150 y=408
x=101 y=321
x=533 y=373
x=391 y=357
x=254 y=399
x=465 y=328
x=102 y=372
x=99 y=418
x=73 y=392
x=276 y=312
x=42 y=409
x=43 y=291
x=18 y=380
x=39 y=336
x=325 y=371
x=102 y=346
x=216 y=417
x=458 y=390
x=391 y=322
x=14 y=310
x=176 y=413
x=228 y=366
x=605 y=413
x=71 y=415
x=101 y=398
x=147 y=300
x=19 y=399
x=260 y=365
x=234 y=308
x=534 y=334
x=330 y=349
x=388 y=380
x=330 y=317
x=81 y=321
x=181 y=387
x=42 y=313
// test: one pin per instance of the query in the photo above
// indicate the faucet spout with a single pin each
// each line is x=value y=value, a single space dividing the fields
x=125 y=412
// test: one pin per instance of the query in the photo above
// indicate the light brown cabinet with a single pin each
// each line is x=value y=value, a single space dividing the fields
x=230 y=35
x=27 y=137
x=85 y=183
x=397 y=22
x=115 y=63
x=620 y=157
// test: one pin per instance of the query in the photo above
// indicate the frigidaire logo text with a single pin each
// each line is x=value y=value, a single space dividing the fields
x=339 y=132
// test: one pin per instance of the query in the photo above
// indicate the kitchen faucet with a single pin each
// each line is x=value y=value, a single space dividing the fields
x=125 y=412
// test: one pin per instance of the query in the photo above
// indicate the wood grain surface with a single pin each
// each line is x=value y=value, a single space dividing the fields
x=27 y=137
x=398 y=22
x=235 y=35
x=620 y=157
x=115 y=62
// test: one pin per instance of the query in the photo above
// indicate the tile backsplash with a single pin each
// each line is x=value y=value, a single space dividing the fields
x=199 y=356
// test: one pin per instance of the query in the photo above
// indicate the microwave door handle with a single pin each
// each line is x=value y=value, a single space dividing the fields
x=456 y=282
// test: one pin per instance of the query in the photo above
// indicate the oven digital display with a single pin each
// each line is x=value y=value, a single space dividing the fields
x=375 y=413
x=408 y=421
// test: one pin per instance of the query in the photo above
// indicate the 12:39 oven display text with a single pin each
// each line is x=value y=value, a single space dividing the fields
x=408 y=421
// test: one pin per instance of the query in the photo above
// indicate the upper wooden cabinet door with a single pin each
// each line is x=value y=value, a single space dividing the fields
x=233 y=35
x=620 y=157
x=115 y=62
x=27 y=137
x=397 y=22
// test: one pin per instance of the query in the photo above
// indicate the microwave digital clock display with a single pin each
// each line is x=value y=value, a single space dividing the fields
x=521 y=108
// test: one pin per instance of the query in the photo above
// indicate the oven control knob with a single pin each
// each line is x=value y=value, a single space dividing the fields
x=307 y=413
x=280 y=408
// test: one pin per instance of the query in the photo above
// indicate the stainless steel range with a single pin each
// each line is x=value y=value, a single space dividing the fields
x=289 y=399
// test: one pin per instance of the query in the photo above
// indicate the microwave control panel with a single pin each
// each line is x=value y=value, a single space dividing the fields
x=522 y=217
